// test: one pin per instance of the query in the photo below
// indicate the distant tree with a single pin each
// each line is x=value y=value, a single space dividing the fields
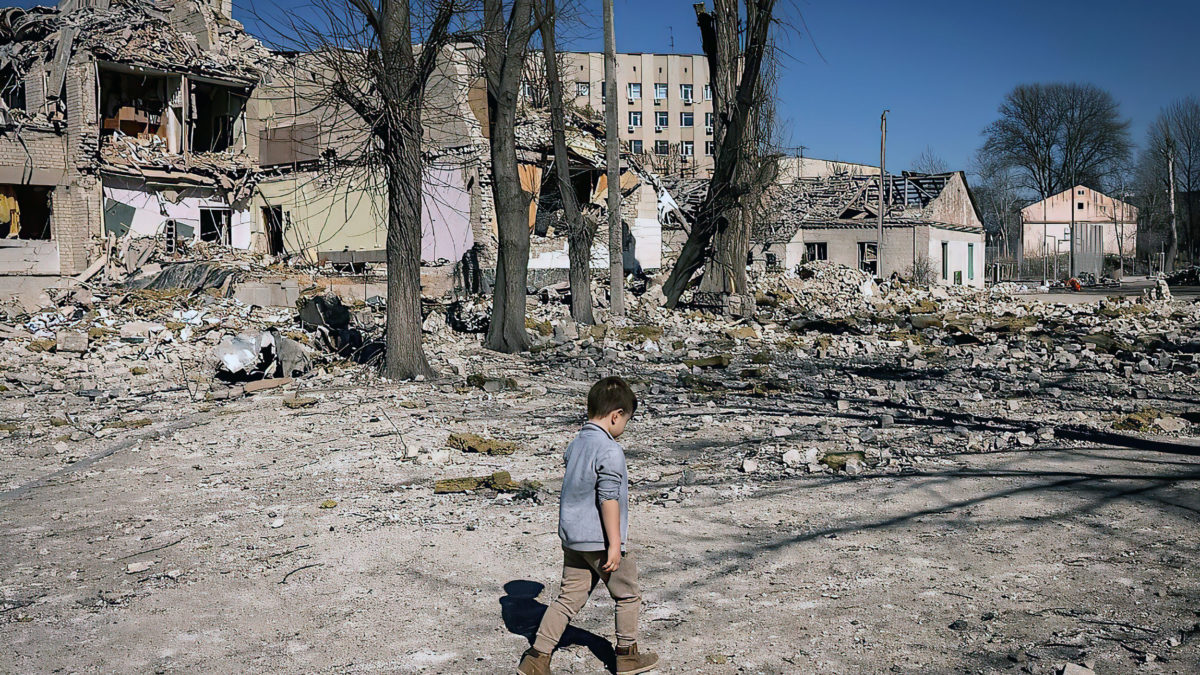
x=1058 y=135
x=930 y=162
x=1174 y=138
x=1151 y=185
x=995 y=189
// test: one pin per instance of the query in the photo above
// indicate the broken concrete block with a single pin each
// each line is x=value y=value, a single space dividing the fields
x=140 y=566
x=749 y=465
x=840 y=461
x=741 y=333
x=492 y=385
x=793 y=458
x=295 y=402
x=500 y=481
x=481 y=445
x=263 y=385
x=718 y=361
x=72 y=342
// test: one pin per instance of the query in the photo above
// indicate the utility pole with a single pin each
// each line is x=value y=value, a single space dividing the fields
x=882 y=173
x=616 y=261
x=1071 y=252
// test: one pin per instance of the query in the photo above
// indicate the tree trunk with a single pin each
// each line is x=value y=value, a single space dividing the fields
x=507 y=331
x=579 y=232
x=1173 y=239
x=731 y=181
x=405 y=359
x=616 y=256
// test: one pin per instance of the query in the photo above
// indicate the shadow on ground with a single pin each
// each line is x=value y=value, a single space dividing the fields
x=522 y=613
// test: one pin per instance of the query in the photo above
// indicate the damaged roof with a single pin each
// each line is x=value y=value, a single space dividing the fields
x=853 y=200
x=179 y=36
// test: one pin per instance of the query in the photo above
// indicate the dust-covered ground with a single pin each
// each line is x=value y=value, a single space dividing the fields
x=941 y=485
x=199 y=543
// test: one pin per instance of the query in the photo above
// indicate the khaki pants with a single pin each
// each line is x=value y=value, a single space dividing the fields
x=581 y=571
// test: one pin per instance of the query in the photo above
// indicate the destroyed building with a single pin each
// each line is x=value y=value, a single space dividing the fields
x=124 y=117
x=931 y=226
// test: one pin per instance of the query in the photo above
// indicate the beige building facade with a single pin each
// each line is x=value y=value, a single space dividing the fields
x=1100 y=222
x=664 y=106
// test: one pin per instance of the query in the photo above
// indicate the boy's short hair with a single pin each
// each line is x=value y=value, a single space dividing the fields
x=609 y=394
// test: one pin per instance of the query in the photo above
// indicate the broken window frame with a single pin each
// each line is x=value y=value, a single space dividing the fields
x=868 y=257
x=816 y=250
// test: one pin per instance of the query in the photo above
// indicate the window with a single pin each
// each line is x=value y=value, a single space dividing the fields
x=661 y=147
x=214 y=225
x=635 y=147
x=970 y=261
x=660 y=91
x=945 y=261
x=526 y=90
x=685 y=92
x=868 y=257
x=772 y=261
x=687 y=148
x=635 y=118
x=661 y=120
x=604 y=91
x=273 y=224
x=1079 y=206
x=708 y=92
x=583 y=89
x=1080 y=192
x=708 y=122
x=685 y=119
x=635 y=90
x=708 y=148
x=817 y=250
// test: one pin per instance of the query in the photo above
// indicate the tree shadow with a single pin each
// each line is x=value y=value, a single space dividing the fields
x=522 y=614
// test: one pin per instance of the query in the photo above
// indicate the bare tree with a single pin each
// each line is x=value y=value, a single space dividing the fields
x=581 y=232
x=1151 y=185
x=996 y=191
x=930 y=162
x=1176 y=132
x=735 y=40
x=1058 y=135
x=505 y=44
x=361 y=55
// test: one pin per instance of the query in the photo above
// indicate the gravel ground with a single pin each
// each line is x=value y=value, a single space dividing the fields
x=208 y=540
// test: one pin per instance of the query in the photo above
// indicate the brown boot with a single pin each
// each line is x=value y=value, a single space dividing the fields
x=534 y=662
x=629 y=661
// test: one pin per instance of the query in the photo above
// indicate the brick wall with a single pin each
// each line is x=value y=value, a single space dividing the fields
x=77 y=205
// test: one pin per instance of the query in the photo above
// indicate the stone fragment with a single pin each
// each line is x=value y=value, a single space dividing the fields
x=793 y=458
x=500 y=481
x=479 y=444
x=749 y=465
x=72 y=342
x=269 y=383
x=718 y=361
x=137 y=567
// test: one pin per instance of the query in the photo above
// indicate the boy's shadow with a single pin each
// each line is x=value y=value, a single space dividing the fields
x=522 y=614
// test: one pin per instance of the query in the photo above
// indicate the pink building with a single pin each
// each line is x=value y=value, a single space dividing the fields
x=1101 y=224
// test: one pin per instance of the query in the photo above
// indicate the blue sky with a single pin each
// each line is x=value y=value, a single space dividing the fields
x=942 y=68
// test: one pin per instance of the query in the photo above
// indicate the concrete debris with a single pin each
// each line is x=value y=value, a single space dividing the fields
x=479 y=444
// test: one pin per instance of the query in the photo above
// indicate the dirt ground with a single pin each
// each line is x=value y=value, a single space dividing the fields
x=209 y=541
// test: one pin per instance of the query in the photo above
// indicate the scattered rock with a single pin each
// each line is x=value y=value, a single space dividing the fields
x=481 y=445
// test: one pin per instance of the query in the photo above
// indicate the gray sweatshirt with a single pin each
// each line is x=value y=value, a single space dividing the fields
x=595 y=473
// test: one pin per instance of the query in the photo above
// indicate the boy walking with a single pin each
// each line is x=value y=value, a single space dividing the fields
x=593 y=522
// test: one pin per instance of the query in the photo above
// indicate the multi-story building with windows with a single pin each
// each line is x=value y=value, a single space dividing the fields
x=664 y=105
